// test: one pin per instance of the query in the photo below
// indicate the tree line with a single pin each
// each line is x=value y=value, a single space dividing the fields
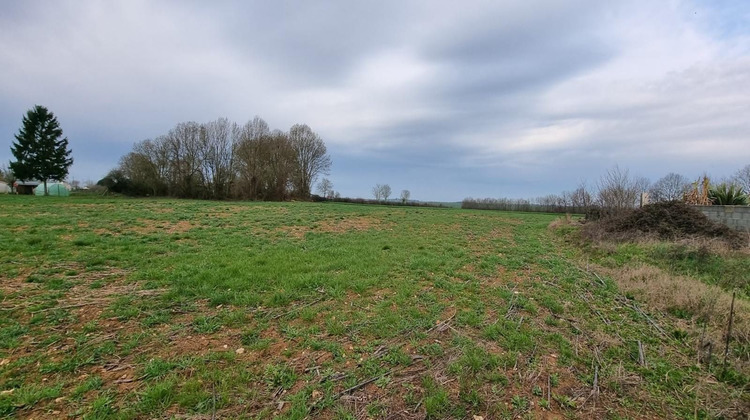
x=618 y=189
x=222 y=159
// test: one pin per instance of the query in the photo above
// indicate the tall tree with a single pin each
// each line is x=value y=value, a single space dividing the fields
x=249 y=163
x=40 y=150
x=217 y=157
x=312 y=157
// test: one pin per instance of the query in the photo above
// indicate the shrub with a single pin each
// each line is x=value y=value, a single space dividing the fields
x=727 y=195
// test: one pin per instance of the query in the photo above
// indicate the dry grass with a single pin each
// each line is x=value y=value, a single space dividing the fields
x=667 y=292
x=567 y=220
x=354 y=224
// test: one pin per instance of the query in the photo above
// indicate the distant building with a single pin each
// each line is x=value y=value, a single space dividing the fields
x=4 y=188
x=26 y=187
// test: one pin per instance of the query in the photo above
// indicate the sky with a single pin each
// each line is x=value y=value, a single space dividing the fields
x=446 y=99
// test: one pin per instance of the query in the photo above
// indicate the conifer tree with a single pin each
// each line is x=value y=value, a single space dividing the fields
x=40 y=149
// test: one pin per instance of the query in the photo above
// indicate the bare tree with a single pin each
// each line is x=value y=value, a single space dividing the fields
x=217 y=157
x=405 y=194
x=183 y=151
x=671 y=187
x=248 y=159
x=137 y=168
x=312 y=157
x=618 y=190
x=221 y=159
x=279 y=166
x=581 y=197
x=385 y=192
x=325 y=188
x=377 y=192
x=742 y=178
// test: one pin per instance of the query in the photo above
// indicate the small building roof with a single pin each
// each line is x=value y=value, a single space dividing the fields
x=31 y=183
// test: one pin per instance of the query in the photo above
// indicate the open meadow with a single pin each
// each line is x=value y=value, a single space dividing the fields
x=138 y=308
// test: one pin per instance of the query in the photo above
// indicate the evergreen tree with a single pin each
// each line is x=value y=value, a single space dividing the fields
x=40 y=149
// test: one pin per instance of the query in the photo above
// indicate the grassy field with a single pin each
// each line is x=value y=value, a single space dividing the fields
x=124 y=308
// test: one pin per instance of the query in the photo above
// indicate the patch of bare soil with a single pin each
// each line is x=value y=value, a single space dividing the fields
x=121 y=374
x=226 y=211
x=97 y=206
x=17 y=283
x=354 y=224
x=480 y=244
x=103 y=231
x=85 y=301
x=297 y=232
x=145 y=227
x=201 y=344
x=233 y=211
x=153 y=226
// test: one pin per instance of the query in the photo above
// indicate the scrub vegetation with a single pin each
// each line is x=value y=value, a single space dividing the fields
x=132 y=308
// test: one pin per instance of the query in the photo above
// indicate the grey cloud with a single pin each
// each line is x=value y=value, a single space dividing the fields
x=316 y=43
x=516 y=99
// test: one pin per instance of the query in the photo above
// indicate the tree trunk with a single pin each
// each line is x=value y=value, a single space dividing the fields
x=46 y=193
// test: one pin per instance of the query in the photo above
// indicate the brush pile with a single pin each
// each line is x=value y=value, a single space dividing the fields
x=672 y=220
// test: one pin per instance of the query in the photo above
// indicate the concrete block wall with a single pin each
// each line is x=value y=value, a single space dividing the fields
x=736 y=217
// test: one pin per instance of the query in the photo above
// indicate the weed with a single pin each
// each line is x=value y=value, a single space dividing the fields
x=157 y=396
x=554 y=380
x=101 y=408
x=90 y=384
x=519 y=403
x=157 y=368
x=28 y=396
x=437 y=404
x=10 y=335
x=206 y=324
x=280 y=375
x=194 y=395
x=565 y=401
x=470 y=396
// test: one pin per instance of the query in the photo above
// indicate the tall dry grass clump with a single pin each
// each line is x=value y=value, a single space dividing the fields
x=705 y=303
x=559 y=222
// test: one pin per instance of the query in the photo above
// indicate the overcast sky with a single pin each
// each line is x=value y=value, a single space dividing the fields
x=447 y=99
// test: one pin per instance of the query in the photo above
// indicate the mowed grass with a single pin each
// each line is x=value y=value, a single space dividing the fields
x=124 y=308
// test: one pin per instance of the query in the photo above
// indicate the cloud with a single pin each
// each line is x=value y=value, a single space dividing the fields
x=515 y=99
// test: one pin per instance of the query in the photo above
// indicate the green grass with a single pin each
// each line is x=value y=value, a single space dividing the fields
x=125 y=308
